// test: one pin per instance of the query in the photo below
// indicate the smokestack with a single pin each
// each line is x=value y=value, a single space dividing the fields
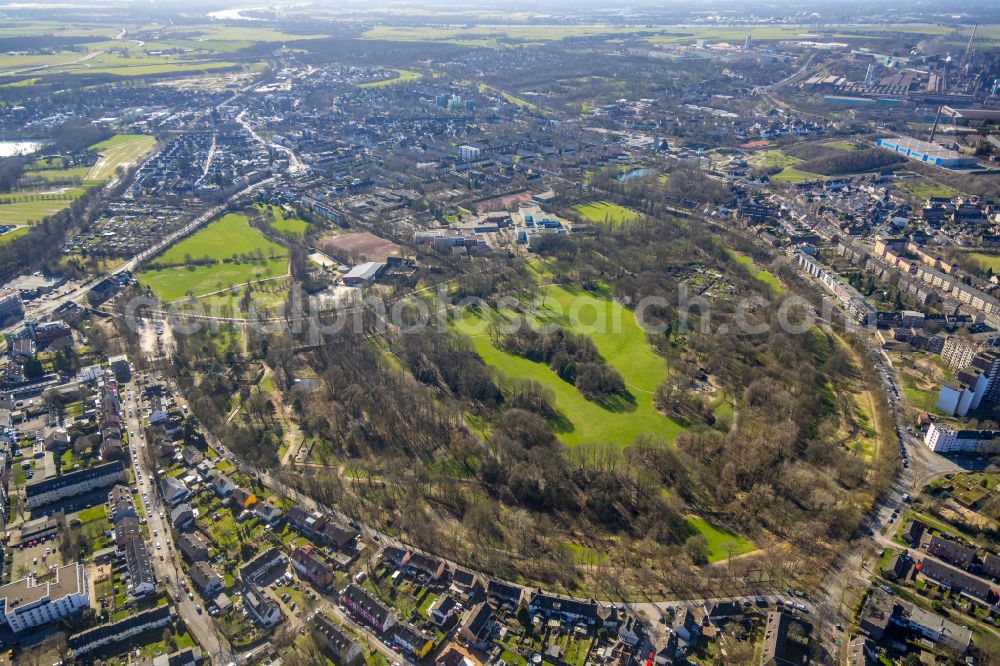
x=934 y=129
x=968 y=49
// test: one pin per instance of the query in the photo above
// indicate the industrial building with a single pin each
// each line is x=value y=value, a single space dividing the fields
x=929 y=153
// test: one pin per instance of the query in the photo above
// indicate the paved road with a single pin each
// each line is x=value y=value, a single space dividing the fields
x=168 y=569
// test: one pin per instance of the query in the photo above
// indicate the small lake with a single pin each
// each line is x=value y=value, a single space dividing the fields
x=234 y=15
x=10 y=148
x=635 y=173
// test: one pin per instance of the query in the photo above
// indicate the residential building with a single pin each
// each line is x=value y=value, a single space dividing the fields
x=120 y=503
x=264 y=610
x=193 y=547
x=121 y=368
x=191 y=656
x=117 y=632
x=337 y=536
x=259 y=567
x=174 y=490
x=75 y=483
x=479 y=626
x=958 y=581
x=882 y=610
x=991 y=566
x=776 y=639
x=203 y=576
x=11 y=307
x=504 y=595
x=411 y=639
x=182 y=515
x=562 y=609
x=368 y=608
x=958 y=352
x=950 y=551
x=465 y=583
x=340 y=648
x=141 y=579
x=443 y=608
x=424 y=567
x=311 y=567
x=944 y=439
x=222 y=485
x=243 y=498
x=27 y=603
x=861 y=652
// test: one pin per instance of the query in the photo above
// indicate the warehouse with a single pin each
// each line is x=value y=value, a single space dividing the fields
x=930 y=153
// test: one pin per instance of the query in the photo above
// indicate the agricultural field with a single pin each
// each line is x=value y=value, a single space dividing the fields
x=605 y=212
x=622 y=344
x=228 y=237
x=402 y=76
x=119 y=150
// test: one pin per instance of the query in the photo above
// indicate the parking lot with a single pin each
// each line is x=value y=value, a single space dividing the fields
x=35 y=558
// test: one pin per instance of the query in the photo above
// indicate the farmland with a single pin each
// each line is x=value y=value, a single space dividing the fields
x=221 y=241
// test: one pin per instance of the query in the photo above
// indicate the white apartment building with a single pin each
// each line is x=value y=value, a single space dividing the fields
x=28 y=603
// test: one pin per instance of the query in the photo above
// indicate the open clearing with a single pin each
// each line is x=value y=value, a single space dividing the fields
x=622 y=344
x=221 y=240
x=289 y=227
x=402 y=76
x=721 y=542
x=764 y=276
x=605 y=212
x=119 y=150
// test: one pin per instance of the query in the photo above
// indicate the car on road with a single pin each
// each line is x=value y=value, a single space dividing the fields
x=198 y=608
x=157 y=545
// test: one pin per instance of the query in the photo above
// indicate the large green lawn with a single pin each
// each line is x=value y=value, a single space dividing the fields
x=605 y=212
x=720 y=541
x=119 y=150
x=289 y=227
x=621 y=342
x=402 y=76
x=228 y=236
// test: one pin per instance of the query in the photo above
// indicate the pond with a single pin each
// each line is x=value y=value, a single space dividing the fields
x=635 y=173
x=19 y=147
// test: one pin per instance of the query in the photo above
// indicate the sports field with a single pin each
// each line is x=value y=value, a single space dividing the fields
x=622 y=344
x=223 y=239
x=605 y=212
x=119 y=150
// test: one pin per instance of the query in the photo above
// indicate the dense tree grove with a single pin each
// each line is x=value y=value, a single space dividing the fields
x=415 y=430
